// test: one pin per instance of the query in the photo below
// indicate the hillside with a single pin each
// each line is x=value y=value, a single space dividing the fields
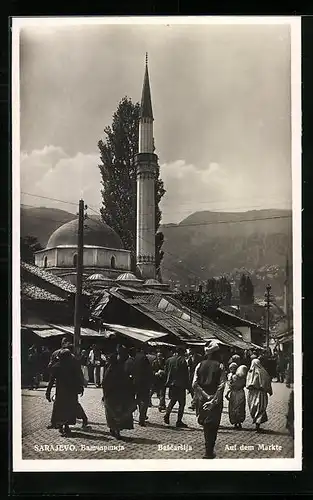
x=42 y=221
x=215 y=243
x=205 y=244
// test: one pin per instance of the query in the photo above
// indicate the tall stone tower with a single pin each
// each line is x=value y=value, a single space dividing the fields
x=146 y=163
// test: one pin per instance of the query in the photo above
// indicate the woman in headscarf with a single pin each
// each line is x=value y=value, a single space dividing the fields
x=259 y=386
x=234 y=359
x=118 y=397
x=236 y=395
x=67 y=375
x=232 y=367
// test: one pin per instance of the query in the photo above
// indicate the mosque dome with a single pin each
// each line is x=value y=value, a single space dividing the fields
x=96 y=233
x=128 y=277
x=152 y=282
x=97 y=277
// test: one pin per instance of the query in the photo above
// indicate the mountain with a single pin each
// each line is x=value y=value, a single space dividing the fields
x=42 y=221
x=215 y=243
x=205 y=244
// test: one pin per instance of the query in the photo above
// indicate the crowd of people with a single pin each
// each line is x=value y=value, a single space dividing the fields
x=35 y=367
x=130 y=376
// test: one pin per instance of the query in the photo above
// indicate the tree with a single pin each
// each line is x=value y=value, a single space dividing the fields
x=201 y=301
x=242 y=289
x=211 y=285
x=249 y=291
x=225 y=290
x=220 y=287
x=159 y=254
x=119 y=181
x=246 y=290
x=28 y=246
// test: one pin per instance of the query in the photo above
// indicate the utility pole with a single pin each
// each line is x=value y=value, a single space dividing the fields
x=200 y=291
x=268 y=306
x=79 y=278
x=287 y=295
x=287 y=290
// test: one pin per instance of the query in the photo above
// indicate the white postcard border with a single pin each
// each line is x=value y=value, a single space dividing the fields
x=240 y=464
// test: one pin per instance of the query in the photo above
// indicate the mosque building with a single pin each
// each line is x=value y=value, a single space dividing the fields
x=105 y=259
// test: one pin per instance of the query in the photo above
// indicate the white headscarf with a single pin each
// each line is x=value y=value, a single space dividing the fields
x=258 y=378
x=241 y=371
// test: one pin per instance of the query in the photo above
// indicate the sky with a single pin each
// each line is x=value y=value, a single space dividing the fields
x=221 y=97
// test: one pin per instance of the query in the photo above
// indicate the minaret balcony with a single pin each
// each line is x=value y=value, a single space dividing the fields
x=145 y=259
x=146 y=158
x=146 y=164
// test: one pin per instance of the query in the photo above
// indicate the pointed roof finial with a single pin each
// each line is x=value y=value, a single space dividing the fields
x=146 y=106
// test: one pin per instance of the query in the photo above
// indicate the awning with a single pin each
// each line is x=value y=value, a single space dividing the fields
x=200 y=343
x=85 y=332
x=134 y=333
x=284 y=339
x=45 y=331
x=216 y=341
x=257 y=346
x=155 y=343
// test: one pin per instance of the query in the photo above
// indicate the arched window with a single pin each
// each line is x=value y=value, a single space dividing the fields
x=45 y=261
x=113 y=262
x=75 y=260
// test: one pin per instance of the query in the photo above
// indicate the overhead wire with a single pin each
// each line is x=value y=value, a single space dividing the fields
x=180 y=263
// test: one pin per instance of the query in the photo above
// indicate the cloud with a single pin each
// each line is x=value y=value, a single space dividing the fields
x=35 y=165
x=215 y=188
x=51 y=173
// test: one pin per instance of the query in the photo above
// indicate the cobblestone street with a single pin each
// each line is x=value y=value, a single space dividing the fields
x=146 y=442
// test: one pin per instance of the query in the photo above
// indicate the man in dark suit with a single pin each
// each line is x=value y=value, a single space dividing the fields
x=143 y=379
x=65 y=344
x=177 y=379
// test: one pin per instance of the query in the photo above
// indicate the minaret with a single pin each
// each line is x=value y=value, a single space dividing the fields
x=146 y=163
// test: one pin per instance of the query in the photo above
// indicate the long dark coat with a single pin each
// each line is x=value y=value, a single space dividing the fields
x=118 y=395
x=67 y=376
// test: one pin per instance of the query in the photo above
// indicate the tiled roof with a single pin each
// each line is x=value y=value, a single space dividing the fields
x=227 y=312
x=173 y=316
x=36 y=293
x=226 y=334
x=100 y=304
x=50 y=278
x=180 y=328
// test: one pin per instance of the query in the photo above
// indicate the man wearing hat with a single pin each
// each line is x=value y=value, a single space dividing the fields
x=208 y=385
x=65 y=344
x=177 y=380
x=54 y=360
x=143 y=379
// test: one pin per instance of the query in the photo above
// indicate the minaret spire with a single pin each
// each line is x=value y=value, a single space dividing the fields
x=146 y=167
x=146 y=105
